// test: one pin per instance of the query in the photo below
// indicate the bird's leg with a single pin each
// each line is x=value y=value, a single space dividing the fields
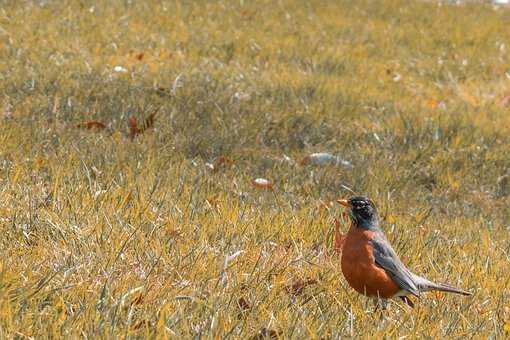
x=375 y=304
x=408 y=301
x=384 y=304
x=379 y=302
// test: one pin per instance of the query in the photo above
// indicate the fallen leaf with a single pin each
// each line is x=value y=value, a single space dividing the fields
x=262 y=183
x=141 y=324
x=265 y=333
x=133 y=127
x=91 y=124
x=222 y=161
x=299 y=286
x=138 y=300
x=212 y=201
x=139 y=56
x=243 y=305
x=174 y=234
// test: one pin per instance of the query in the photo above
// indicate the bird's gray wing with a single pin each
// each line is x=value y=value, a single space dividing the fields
x=387 y=259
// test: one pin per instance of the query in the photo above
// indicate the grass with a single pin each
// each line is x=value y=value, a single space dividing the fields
x=104 y=236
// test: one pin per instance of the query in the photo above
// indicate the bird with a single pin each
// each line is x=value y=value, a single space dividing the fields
x=371 y=266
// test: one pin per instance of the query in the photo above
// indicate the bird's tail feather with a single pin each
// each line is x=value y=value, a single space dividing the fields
x=447 y=288
x=425 y=285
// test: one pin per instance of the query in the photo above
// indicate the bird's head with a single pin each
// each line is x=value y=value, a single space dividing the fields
x=362 y=211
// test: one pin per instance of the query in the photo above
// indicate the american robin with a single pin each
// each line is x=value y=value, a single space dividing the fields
x=371 y=266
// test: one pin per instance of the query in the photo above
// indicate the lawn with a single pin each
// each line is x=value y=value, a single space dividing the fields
x=131 y=133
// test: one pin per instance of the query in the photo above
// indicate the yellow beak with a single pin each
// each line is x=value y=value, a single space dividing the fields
x=344 y=202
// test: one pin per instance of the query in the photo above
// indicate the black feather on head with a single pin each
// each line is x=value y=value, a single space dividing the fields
x=363 y=212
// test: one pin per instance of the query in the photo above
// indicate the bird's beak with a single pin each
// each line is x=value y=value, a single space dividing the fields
x=344 y=202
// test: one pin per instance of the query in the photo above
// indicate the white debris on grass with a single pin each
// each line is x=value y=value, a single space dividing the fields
x=120 y=69
x=324 y=158
x=178 y=83
x=228 y=259
x=241 y=96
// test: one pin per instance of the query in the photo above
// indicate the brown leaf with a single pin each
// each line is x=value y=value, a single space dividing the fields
x=212 y=201
x=133 y=127
x=298 y=287
x=176 y=234
x=139 y=56
x=138 y=300
x=222 y=161
x=243 y=305
x=91 y=124
x=141 y=324
x=265 y=333
x=305 y=161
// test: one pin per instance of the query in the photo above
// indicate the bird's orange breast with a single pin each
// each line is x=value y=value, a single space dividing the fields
x=359 y=268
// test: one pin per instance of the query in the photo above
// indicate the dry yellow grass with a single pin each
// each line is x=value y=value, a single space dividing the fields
x=107 y=237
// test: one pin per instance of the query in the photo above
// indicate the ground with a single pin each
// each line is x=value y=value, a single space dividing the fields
x=131 y=133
